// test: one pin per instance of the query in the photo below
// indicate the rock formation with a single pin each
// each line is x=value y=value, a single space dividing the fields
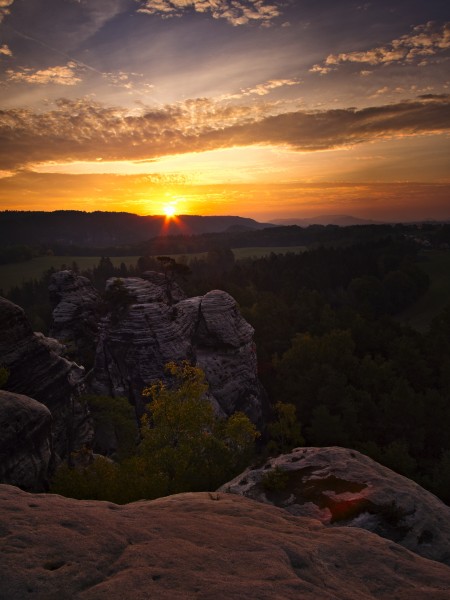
x=36 y=370
x=75 y=314
x=134 y=346
x=25 y=441
x=343 y=487
x=202 y=546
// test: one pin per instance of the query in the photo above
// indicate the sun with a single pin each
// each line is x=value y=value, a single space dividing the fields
x=169 y=211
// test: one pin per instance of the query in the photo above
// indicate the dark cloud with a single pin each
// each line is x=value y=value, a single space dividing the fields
x=84 y=130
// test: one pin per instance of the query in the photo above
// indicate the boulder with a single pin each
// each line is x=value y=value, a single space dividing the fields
x=25 y=441
x=202 y=546
x=36 y=370
x=339 y=487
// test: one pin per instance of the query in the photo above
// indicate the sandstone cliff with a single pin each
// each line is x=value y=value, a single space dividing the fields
x=25 y=441
x=203 y=546
x=136 y=340
x=75 y=314
x=343 y=487
x=37 y=370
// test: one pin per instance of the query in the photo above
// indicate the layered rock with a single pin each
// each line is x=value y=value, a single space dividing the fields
x=75 y=314
x=37 y=370
x=208 y=331
x=25 y=441
x=343 y=487
x=201 y=546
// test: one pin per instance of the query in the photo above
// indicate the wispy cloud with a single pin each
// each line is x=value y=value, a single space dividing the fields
x=5 y=8
x=262 y=89
x=85 y=130
x=423 y=42
x=67 y=74
x=236 y=12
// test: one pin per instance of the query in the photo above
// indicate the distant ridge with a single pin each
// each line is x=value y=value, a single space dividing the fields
x=340 y=220
x=109 y=228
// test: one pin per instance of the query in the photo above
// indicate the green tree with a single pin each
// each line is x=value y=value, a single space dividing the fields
x=116 y=430
x=285 y=430
x=117 y=299
x=173 y=271
x=96 y=481
x=183 y=441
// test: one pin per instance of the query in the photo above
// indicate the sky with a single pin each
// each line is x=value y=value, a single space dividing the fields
x=259 y=108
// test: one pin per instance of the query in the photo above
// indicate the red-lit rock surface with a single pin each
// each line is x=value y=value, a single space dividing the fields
x=343 y=487
x=206 y=546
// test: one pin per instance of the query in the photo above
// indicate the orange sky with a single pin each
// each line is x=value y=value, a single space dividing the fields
x=256 y=108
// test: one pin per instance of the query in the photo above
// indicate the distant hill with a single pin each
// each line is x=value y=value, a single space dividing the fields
x=108 y=228
x=340 y=220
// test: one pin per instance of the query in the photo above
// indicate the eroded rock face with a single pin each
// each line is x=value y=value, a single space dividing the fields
x=25 y=441
x=208 y=331
x=199 y=545
x=36 y=370
x=75 y=314
x=343 y=487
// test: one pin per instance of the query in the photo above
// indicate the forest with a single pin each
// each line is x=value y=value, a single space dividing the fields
x=338 y=367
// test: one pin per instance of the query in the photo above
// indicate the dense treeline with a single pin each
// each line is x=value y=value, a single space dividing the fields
x=79 y=229
x=74 y=233
x=15 y=254
x=329 y=349
x=328 y=345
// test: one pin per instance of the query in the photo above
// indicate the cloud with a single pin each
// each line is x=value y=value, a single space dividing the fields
x=59 y=75
x=5 y=50
x=5 y=8
x=262 y=89
x=424 y=41
x=236 y=12
x=85 y=130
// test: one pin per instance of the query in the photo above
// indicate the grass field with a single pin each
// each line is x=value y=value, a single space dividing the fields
x=16 y=274
x=436 y=264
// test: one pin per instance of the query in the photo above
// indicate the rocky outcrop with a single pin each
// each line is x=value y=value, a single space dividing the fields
x=203 y=546
x=25 y=441
x=75 y=314
x=343 y=487
x=209 y=331
x=36 y=370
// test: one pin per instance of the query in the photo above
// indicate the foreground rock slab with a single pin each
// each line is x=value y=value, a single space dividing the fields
x=339 y=486
x=199 y=545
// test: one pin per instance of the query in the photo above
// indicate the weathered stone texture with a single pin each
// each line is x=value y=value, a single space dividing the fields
x=39 y=372
x=25 y=441
x=207 y=330
x=202 y=546
x=343 y=487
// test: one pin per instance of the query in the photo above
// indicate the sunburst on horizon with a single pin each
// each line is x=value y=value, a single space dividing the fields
x=170 y=211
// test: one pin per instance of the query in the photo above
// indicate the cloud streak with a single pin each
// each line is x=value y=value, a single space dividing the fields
x=85 y=130
x=236 y=12
x=262 y=89
x=423 y=42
